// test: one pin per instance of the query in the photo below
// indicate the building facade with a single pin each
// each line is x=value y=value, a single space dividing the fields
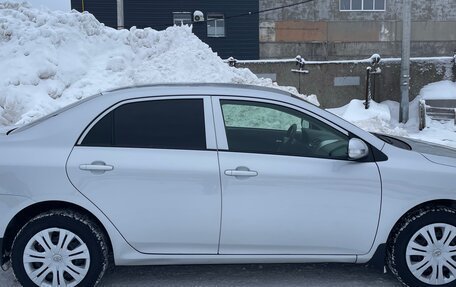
x=317 y=30
x=348 y=29
x=227 y=27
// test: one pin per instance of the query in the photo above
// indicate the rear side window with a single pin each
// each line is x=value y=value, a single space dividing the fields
x=165 y=124
x=101 y=133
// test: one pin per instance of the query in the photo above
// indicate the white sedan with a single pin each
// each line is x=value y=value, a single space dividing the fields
x=218 y=173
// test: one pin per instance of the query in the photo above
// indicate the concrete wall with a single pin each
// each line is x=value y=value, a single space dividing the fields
x=319 y=30
x=324 y=78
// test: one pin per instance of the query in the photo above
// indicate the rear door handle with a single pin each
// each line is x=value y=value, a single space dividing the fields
x=96 y=166
x=241 y=171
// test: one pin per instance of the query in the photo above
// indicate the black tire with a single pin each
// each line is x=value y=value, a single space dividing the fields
x=80 y=225
x=403 y=233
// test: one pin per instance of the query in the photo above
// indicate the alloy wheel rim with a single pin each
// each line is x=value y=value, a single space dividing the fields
x=56 y=257
x=431 y=254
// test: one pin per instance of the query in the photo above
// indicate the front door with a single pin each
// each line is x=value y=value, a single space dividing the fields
x=150 y=166
x=287 y=184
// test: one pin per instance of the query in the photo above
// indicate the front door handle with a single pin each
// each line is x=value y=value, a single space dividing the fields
x=96 y=166
x=241 y=172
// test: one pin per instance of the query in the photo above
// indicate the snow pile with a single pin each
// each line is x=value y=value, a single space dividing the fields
x=439 y=90
x=375 y=119
x=49 y=59
x=384 y=117
x=352 y=112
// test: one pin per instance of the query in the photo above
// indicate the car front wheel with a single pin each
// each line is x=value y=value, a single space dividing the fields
x=422 y=249
x=59 y=248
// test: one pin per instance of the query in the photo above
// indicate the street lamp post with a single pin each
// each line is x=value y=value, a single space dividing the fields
x=120 y=14
x=405 y=65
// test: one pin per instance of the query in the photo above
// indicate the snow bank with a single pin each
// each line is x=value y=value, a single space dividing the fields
x=49 y=59
x=375 y=119
x=439 y=90
x=384 y=117
x=355 y=111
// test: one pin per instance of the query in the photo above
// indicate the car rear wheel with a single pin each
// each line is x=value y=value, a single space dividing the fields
x=59 y=248
x=422 y=250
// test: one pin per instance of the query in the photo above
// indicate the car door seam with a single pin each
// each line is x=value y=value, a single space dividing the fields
x=220 y=175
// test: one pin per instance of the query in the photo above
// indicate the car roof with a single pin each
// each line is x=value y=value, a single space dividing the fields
x=205 y=85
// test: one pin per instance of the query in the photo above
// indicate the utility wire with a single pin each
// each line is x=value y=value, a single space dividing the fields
x=259 y=11
x=255 y=12
x=270 y=9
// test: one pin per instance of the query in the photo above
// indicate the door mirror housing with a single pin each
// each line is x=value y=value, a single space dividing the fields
x=357 y=149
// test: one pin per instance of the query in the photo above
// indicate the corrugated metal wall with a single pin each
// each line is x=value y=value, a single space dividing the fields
x=241 y=33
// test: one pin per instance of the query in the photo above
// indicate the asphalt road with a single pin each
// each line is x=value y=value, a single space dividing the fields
x=331 y=275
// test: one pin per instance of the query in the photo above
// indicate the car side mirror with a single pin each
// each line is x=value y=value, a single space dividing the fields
x=357 y=149
x=305 y=124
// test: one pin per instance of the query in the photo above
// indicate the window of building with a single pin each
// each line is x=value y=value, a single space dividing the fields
x=256 y=127
x=362 y=5
x=165 y=124
x=182 y=18
x=215 y=25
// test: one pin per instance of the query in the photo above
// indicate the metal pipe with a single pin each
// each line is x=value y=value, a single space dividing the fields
x=454 y=66
x=368 y=94
x=405 y=65
x=374 y=78
x=120 y=14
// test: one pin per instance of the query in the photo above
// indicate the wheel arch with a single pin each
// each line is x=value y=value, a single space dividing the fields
x=431 y=203
x=378 y=259
x=22 y=217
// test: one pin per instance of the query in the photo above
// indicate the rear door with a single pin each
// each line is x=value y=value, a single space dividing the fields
x=287 y=184
x=151 y=166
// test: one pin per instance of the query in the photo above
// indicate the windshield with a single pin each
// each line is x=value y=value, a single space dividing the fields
x=51 y=115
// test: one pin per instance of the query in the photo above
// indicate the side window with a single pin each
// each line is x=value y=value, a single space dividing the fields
x=257 y=127
x=166 y=124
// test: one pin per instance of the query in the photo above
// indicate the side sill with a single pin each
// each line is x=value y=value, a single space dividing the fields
x=134 y=258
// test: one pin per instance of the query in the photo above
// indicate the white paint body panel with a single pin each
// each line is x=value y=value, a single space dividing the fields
x=408 y=180
x=162 y=201
x=299 y=205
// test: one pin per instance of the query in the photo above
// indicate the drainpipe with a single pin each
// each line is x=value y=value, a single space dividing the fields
x=120 y=14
